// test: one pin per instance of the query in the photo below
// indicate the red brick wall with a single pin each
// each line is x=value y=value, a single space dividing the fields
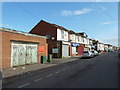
x=68 y=36
x=43 y=28
x=73 y=54
x=6 y=46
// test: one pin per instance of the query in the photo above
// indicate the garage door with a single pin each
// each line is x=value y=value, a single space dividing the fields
x=65 y=50
x=23 y=53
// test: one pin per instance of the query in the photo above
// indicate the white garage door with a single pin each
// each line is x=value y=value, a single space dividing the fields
x=23 y=53
x=65 y=50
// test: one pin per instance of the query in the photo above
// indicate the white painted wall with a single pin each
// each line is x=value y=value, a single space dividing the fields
x=85 y=40
x=90 y=42
x=73 y=37
x=76 y=39
x=59 y=35
x=79 y=39
x=100 y=46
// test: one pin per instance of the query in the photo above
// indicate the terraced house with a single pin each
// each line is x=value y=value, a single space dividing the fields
x=57 y=38
x=61 y=41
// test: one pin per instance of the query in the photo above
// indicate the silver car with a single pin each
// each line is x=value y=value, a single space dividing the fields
x=95 y=53
x=87 y=54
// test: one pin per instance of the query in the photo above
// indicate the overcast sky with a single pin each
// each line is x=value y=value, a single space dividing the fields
x=98 y=19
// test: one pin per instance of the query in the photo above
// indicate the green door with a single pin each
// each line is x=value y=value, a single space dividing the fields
x=28 y=54
x=34 y=53
x=21 y=56
x=31 y=53
x=15 y=54
x=23 y=53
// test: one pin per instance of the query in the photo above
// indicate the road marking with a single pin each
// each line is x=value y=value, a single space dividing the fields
x=49 y=75
x=23 y=85
x=38 y=79
x=58 y=72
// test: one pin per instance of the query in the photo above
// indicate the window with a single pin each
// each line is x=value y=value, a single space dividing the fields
x=62 y=34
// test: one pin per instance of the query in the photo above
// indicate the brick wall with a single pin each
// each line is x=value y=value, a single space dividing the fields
x=44 y=28
x=6 y=46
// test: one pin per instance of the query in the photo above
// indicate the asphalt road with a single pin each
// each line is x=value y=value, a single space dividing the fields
x=98 y=72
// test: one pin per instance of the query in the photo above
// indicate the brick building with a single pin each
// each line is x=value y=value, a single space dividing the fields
x=19 y=48
x=57 y=38
x=61 y=41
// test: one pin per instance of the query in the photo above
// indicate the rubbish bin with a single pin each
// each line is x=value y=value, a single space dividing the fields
x=49 y=58
x=43 y=59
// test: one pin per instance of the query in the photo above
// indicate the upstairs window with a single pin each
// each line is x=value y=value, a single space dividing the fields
x=62 y=34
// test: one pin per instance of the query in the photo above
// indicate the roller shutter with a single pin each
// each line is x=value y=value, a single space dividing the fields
x=65 y=50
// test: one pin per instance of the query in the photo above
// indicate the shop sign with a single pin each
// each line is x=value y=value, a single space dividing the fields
x=67 y=43
x=41 y=49
x=55 y=50
x=75 y=44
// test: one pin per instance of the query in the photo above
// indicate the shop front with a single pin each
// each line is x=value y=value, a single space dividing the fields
x=74 y=49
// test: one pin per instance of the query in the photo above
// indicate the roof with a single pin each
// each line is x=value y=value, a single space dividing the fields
x=71 y=32
x=19 y=32
x=60 y=27
x=57 y=26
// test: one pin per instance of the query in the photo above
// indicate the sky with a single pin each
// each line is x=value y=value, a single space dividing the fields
x=99 y=20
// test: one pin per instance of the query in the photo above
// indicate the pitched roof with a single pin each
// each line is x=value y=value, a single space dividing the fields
x=57 y=26
x=71 y=32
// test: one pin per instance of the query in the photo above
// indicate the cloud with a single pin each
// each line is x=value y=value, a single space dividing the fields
x=79 y=12
x=75 y=12
x=104 y=23
x=100 y=7
x=66 y=13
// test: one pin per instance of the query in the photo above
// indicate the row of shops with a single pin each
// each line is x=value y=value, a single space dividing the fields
x=61 y=49
x=60 y=43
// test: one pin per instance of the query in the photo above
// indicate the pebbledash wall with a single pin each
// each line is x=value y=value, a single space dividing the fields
x=10 y=36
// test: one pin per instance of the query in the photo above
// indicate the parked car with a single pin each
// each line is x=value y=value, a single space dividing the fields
x=110 y=50
x=87 y=54
x=95 y=53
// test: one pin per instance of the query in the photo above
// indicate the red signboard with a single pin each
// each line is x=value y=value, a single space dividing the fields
x=41 y=49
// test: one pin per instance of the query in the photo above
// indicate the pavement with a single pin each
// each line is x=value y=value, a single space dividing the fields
x=17 y=71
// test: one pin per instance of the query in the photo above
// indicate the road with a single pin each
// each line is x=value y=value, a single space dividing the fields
x=98 y=72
